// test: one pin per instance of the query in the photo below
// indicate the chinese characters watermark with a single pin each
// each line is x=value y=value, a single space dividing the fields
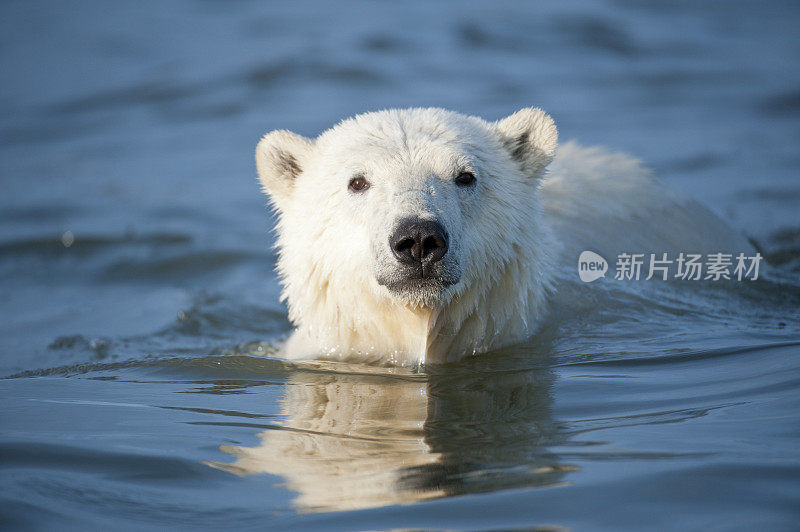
x=684 y=266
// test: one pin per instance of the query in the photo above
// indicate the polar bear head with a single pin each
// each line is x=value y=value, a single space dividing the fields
x=400 y=209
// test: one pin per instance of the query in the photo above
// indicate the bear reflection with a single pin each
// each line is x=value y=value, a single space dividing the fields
x=357 y=441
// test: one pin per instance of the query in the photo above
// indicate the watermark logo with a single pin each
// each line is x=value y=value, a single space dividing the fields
x=684 y=266
x=591 y=266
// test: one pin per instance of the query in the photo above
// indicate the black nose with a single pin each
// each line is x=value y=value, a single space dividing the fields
x=422 y=241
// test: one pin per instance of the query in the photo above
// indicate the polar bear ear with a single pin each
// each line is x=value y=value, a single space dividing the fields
x=280 y=156
x=531 y=137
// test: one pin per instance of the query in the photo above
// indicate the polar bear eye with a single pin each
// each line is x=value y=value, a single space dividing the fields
x=358 y=184
x=465 y=179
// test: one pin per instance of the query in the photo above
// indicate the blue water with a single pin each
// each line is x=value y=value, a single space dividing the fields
x=140 y=312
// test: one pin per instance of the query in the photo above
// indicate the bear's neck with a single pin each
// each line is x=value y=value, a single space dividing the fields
x=495 y=311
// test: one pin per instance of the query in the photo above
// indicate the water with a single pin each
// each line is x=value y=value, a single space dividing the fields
x=144 y=389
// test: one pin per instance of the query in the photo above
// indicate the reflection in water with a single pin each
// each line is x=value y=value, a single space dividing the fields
x=357 y=441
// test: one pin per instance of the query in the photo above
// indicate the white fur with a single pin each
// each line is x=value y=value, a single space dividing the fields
x=509 y=234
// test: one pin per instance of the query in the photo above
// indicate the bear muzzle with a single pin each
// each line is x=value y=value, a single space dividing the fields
x=422 y=267
x=418 y=242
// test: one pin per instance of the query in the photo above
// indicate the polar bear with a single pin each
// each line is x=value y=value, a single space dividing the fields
x=422 y=235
